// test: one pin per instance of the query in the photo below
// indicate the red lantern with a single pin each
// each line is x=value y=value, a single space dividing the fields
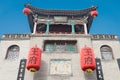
x=26 y=11
x=34 y=59
x=94 y=13
x=87 y=59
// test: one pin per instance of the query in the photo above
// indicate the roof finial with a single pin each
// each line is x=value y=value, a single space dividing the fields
x=28 y=2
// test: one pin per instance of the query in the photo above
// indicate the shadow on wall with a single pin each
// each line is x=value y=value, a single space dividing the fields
x=42 y=73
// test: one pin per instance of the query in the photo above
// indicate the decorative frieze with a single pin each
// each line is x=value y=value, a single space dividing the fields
x=104 y=37
x=16 y=36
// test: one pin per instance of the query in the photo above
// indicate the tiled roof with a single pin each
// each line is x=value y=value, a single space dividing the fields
x=45 y=12
x=60 y=12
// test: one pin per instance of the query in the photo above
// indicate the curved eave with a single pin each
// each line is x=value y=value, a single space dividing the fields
x=31 y=23
x=60 y=12
x=90 y=20
x=80 y=13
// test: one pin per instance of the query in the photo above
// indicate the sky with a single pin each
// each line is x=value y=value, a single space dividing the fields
x=13 y=21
